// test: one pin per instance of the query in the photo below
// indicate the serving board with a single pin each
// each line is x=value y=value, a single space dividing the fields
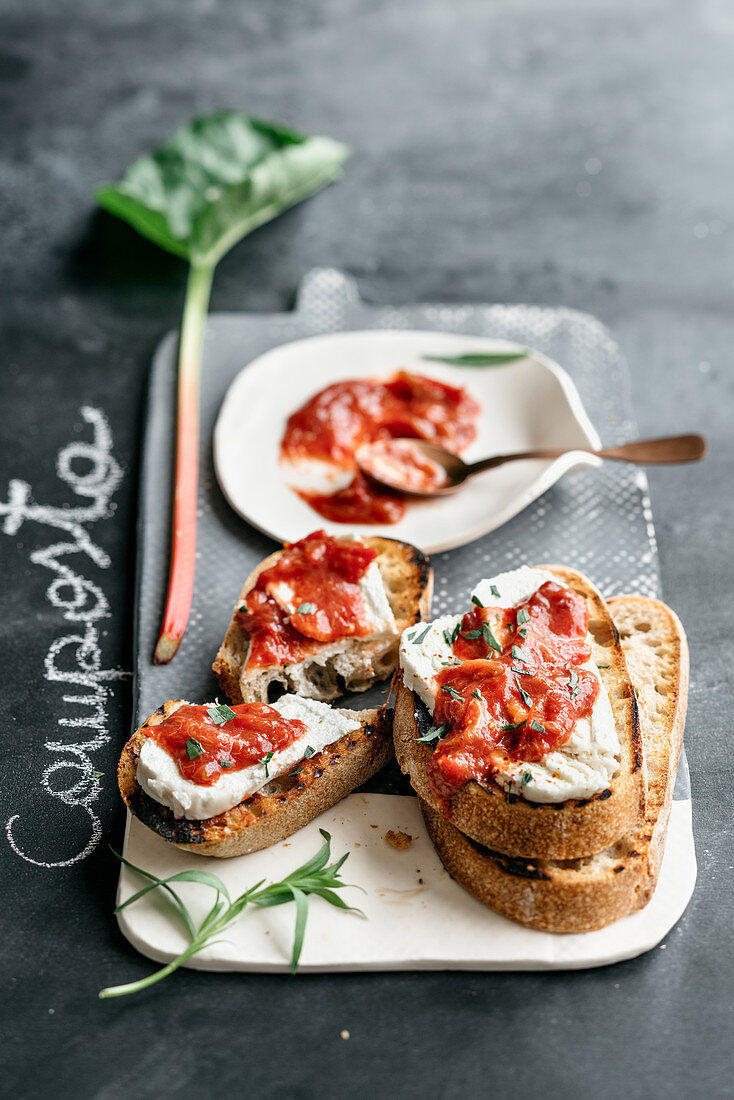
x=598 y=521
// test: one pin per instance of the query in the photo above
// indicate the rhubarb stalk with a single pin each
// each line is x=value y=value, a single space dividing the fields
x=186 y=477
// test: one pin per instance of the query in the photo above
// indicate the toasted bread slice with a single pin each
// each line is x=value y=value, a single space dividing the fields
x=351 y=664
x=585 y=894
x=285 y=805
x=531 y=830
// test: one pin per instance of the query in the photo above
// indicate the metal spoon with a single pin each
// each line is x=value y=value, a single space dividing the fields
x=674 y=448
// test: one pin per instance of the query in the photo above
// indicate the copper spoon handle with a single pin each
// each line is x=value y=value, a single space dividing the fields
x=673 y=448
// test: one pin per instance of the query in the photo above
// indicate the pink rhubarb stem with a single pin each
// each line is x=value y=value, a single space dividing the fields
x=186 y=482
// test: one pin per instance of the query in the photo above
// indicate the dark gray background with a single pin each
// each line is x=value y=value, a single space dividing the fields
x=574 y=153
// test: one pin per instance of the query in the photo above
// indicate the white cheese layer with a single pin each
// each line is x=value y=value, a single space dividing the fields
x=159 y=776
x=584 y=765
x=372 y=590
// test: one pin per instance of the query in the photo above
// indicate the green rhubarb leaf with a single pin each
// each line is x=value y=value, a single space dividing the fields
x=216 y=180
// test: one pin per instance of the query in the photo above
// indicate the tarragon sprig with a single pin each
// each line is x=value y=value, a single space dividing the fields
x=313 y=877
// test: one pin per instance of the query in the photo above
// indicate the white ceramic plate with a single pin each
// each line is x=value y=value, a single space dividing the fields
x=529 y=402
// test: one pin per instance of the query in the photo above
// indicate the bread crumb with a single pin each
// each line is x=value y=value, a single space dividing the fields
x=398 y=839
x=344 y=1034
x=374 y=826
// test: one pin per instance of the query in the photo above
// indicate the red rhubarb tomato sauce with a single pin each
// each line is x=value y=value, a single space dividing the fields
x=204 y=750
x=310 y=596
x=518 y=691
x=335 y=422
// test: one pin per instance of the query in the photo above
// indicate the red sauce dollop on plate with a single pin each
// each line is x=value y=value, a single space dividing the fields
x=518 y=692
x=310 y=596
x=246 y=739
x=335 y=422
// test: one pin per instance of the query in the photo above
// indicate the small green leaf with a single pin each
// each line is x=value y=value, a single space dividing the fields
x=522 y=616
x=490 y=638
x=526 y=777
x=524 y=695
x=266 y=760
x=518 y=655
x=537 y=726
x=435 y=733
x=455 y=632
x=512 y=726
x=477 y=601
x=495 y=591
x=193 y=748
x=420 y=636
x=225 y=763
x=220 y=713
x=477 y=693
x=479 y=358
x=447 y=638
x=451 y=691
x=306 y=609
x=472 y=634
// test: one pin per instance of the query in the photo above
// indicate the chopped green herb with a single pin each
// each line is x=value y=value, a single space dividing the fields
x=495 y=591
x=308 y=752
x=225 y=763
x=455 y=632
x=490 y=638
x=306 y=609
x=97 y=775
x=537 y=726
x=518 y=655
x=509 y=792
x=193 y=748
x=435 y=733
x=522 y=616
x=573 y=683
x=477 y=693
x=523 y=632
x=243 y=608
x=420 y=636
x=451 y=662
x=447 y=638
x=512 y=726
x=526 y=777
x=220 y=713
x=266 y=760
x=524 y=695
x=472 y=634
x=296 y=771
x=523 y=671
x=477 y=601
x=451 y=691
x=603 y=666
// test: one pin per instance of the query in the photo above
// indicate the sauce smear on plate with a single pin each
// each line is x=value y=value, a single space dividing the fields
x=340 y=419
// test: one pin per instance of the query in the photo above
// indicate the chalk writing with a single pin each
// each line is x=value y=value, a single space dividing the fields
x=75 y=659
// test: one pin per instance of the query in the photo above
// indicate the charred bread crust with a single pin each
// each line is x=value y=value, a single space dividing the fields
x=516 y=826
x=582 y=895
x=286 y=805
x=408 y=579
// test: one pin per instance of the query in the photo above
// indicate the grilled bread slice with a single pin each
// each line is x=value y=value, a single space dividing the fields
x=279 y=809
x=584 y=894
x=351 y=664
x=516 y=826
